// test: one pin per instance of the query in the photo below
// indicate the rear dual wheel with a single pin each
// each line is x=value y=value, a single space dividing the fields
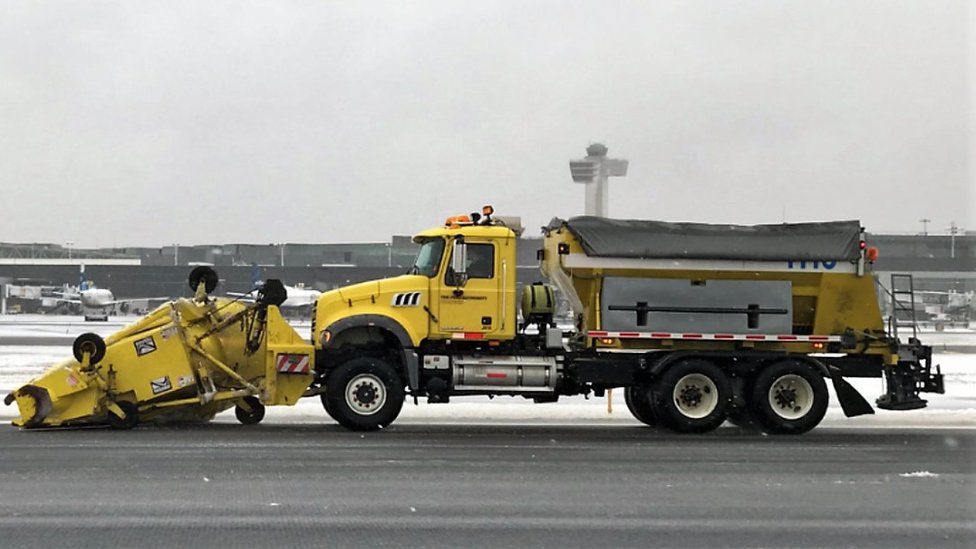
x=789 y=397
x=691 y=396
x=638 y=400
x=743 y=418
x=694 y=396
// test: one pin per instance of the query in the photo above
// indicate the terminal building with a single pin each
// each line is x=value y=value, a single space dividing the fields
x=939 y=263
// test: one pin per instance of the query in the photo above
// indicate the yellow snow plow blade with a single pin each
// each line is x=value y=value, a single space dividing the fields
x=186 y=361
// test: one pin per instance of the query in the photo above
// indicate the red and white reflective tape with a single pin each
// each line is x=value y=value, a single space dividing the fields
x=788 y=338
x=467 y=335
x=292 y=364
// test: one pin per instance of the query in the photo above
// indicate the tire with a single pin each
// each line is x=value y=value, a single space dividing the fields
x=90 y=343
x=252 y=416
x=272 y=292
x=739 y=413
x=789 y=397
x=328 y=408
x=692 y=396
x=366 y=394
x=638 y=399
x=203 y=274
x=130 y=420
x=744 y=419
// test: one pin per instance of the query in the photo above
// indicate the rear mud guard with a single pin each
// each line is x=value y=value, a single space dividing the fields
x=850 y=399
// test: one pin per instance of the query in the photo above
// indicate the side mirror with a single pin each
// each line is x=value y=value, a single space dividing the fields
x=459 y=262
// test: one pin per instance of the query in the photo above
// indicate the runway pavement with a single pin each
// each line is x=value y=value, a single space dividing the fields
x=474 y=484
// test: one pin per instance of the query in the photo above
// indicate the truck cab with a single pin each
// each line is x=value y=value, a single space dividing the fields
x=461 y=287
x=472 y=285
x=459 y=294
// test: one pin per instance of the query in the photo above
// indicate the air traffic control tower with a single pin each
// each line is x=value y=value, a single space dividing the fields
x=594 y=171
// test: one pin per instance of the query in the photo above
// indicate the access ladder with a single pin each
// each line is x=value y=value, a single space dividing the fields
x=903 y=301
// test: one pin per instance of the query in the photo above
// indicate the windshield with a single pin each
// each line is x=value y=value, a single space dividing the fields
x=428 y=258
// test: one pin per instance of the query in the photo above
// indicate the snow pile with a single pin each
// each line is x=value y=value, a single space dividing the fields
x=920 y=474
x=19 y=363
x=28 y=327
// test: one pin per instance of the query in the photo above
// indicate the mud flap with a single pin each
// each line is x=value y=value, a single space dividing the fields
x=851 y=401
x=413 y=369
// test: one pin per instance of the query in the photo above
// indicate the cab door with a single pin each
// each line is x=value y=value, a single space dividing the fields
x=469 y=309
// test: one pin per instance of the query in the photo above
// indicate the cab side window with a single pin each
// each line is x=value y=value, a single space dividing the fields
x=481 y=263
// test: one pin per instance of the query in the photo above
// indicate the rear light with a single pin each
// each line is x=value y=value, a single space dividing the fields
x=607 y=341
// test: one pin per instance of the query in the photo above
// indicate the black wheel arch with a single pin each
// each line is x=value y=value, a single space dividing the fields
x=360 y=330
x=750 y=362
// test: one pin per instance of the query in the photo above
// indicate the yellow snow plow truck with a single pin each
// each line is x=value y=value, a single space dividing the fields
x=697 y=324
x=186 y=361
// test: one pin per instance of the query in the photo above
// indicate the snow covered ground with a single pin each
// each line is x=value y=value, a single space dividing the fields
x=30 y=328
x=957 y=408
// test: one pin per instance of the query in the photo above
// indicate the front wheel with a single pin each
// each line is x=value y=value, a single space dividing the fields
x=692 y=396
x=364 y=394
x=789 y=397
x=327 y=406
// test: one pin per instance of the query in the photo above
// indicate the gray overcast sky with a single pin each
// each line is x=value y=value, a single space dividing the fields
x=140 y=123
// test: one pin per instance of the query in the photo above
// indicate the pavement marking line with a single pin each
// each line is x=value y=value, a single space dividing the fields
x=419 y=520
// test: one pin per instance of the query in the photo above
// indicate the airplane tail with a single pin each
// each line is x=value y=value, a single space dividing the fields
x=82 y=283
x=255 y=275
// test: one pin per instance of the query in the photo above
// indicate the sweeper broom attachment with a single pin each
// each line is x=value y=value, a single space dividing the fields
x=185 y=361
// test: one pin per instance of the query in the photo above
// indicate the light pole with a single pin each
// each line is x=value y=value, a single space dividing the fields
x=953 y=231
x=69 y=244
x=281 y=248
x=925 y=225
x=594 y=171
x=176 y=254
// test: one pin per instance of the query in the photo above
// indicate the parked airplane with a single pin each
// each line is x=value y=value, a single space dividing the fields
x=951 y=305
x=298 y=296
x=939 y=306
x=95 y=301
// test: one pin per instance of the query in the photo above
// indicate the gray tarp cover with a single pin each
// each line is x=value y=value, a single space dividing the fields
x=633 y=238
